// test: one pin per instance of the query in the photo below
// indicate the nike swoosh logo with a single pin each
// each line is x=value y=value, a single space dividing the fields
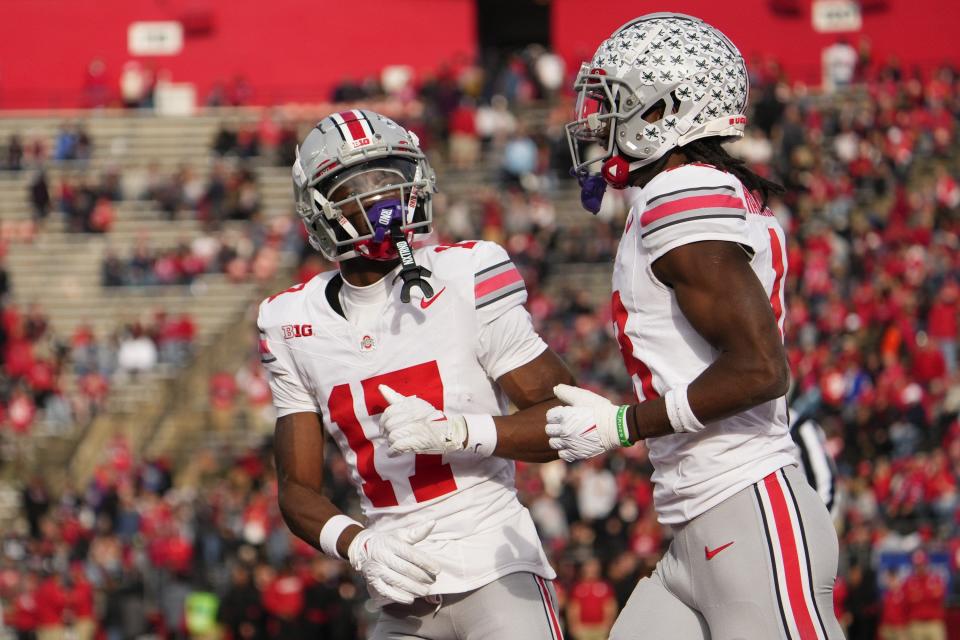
x=589 y=430
x=707 y=552
x=629 y=224
x=426 y=303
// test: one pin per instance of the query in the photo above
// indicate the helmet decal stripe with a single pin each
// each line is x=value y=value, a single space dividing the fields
x=364 y=123
x=351 y=126
x=338 y=124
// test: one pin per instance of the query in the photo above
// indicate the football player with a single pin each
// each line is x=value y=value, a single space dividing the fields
x=446 y=549
x=698 y=304
x=698 y=311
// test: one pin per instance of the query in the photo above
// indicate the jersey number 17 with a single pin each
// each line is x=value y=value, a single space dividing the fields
x=432 y=477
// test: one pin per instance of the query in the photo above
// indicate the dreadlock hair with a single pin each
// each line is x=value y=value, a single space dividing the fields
x=710 y=151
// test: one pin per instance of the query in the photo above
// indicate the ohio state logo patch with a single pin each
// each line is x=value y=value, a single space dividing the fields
x=367 y=343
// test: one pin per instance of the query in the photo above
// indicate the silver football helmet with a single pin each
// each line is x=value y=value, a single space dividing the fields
x=361 y=160
x=670 y=60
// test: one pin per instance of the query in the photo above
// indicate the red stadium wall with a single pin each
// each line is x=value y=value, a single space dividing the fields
x=286 y=49
x=918 y=32
x=294 y=50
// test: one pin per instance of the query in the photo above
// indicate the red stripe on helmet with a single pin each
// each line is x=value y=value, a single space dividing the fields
x=354 y=128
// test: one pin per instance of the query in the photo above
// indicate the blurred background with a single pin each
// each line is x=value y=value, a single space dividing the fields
x=145 y=210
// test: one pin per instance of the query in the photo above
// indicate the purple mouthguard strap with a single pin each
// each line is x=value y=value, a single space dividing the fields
x=592 y=188
x=382 y=216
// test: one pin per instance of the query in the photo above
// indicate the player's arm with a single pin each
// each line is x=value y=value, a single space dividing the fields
x=412 y=425
x=520 y=436
x=721 y=297
x=298 y=453
x=390 y=564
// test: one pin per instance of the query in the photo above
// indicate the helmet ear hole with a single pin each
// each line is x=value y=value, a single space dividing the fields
x=676 y=102
x=658 y=109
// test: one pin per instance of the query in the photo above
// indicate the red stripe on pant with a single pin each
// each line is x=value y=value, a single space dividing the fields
x=791 y=560
x=548 y=602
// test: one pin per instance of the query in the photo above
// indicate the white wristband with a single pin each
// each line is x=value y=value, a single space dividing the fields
x=673 y=411
x=331 y=531
x=481 y=434
x=681 y=415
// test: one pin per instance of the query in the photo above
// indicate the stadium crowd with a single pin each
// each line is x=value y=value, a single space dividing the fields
x=55 y=381
x=872 y=211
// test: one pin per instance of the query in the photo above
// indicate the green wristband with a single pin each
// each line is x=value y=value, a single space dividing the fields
x=622 y=431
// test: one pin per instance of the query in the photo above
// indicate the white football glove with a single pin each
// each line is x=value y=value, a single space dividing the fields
x=391 y=565
x=586 y=427
x=413 y=425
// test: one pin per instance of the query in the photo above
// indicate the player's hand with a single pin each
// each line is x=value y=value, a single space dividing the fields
x=391 y=565
x=413 y=425
x=586 y=427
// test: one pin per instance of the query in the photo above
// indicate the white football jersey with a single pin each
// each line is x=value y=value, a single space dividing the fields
x=695 y=202
x=449 y=350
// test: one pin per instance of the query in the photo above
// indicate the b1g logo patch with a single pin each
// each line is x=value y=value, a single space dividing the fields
x=296 y=331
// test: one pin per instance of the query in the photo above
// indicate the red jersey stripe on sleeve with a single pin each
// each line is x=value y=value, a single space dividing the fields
x=496 y=283
x=691 y=203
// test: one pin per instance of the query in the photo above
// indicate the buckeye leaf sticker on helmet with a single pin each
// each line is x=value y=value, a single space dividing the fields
x=670 y=64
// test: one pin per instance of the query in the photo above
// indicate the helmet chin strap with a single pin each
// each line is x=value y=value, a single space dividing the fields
x=387 y=220
x=411 y=274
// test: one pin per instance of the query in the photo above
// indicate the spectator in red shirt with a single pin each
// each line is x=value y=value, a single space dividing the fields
x=593 y=604
x=51 y=605
x=943 y=325
x=94 y=387
x=18 y=356
x=940 y=491
x=21 y=411
x=893 y=614
x=929 y=366
x=283 y=601
x=223 y=394
x=80 y=603
x=464 y=143
x=22 y=615
x=925 y=593
x=102 y=216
